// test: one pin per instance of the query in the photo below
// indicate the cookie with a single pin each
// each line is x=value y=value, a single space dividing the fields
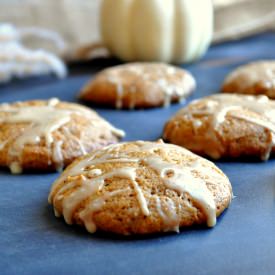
x=257 y=78
x=141 y=188
x=225 y=126
x=48 y=135
x=139 y=85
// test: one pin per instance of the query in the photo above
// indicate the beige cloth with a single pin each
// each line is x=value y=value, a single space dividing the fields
x=238 y=18
x=77 y=20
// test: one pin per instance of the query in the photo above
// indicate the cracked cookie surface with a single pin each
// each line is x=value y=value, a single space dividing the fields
x=140 y=188
x=47 y=135
x=139 y=85
x=257 y=78
x=225 y=126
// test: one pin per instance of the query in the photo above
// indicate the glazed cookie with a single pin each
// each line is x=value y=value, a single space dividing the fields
x=225 y=125
x=139 y=85
x=47 y=135
x=257 y=78
x=140 y=188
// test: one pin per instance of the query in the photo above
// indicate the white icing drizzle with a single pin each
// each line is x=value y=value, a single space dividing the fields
x=41 y=122
x=15 y=168
x=168 y=213
x=181 y=180
x=44 y=120
x=58 y=155
x=114 y=79
x=71 y=136
x=133 y=91
x=259 y=72
x=88 y=181
x=95 y=172
x=140 y=195
x=3 y=144
x=90 y=187
x=157 y=75
x=120 y=92
x=197 y=123
x=87 y=214
x=221 y=105
x=115 y=131
x=53 y=101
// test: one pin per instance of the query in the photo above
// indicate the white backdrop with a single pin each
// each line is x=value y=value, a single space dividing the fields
x=77 y=20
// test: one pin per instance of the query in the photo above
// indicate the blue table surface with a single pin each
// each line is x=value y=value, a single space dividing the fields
x=33 y=241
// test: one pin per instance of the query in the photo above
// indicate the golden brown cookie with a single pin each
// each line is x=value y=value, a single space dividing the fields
x=139 y=85
x=257 y=78
x=48 y=135
x=225 y=125
x=140 y=188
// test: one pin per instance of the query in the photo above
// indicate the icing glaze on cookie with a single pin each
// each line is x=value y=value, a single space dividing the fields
x=167 y=210
x=151 y=76
x=219 y=106
x=39 y=124
x=245 y=77
x=84 y=184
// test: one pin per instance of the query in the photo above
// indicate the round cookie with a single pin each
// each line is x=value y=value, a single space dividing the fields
x=139 y=85
x=225 y=126
x=141 y=188
x=257 y=78
x=48 y=135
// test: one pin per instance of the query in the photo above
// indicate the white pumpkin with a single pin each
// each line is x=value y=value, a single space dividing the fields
x=173 y=31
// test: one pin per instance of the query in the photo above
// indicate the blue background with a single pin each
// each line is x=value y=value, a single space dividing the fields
x=33 y=241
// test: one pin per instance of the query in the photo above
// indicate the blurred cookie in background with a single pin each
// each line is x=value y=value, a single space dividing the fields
x=139 y=85
x=257 y=78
